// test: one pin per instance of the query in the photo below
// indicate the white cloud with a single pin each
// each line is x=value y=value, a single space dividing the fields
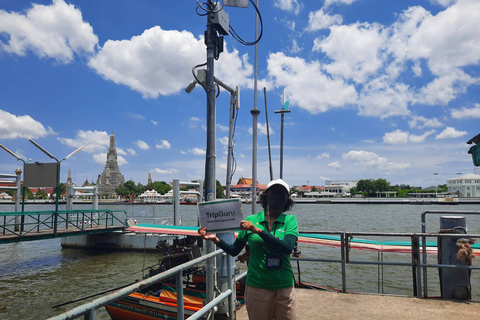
x=402 y=137
x=372 y=160
x=193 y=122
x=158 y=62
x=164 y=145
x=303 y=81
x=154 y=122
x=142 y=145
x=198 y=152
x=330 y=2
x=320 y=20
x=102 y=159
x=449 y=133
x=444 y=3
x=335 y=165
x=168 y=171
x=121 y=151
x=222 y=128
x=12 y=127
x=466 y=113
x=132 y=151
x=355 y=50
x=324 y=155
x=295 y=47
x=427 y=123
x=262 y=129
x=380 y=98
x=56 y=31
x=395 y=137
x=223 y=141
x=288 y=5
x=93 y=141
x=420 y=138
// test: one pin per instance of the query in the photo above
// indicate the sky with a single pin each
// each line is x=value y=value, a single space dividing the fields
x=376 y=89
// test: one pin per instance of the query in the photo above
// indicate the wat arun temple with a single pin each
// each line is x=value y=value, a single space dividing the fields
x=111 y=177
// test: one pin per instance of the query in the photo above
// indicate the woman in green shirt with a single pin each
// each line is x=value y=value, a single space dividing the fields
x=271 y=236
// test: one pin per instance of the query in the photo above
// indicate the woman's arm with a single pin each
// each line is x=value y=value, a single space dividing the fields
x=232 y=249
x=285 y=246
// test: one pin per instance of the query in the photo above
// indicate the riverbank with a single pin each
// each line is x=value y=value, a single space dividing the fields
x=412 y=201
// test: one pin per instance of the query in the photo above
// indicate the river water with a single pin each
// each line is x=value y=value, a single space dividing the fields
x=36 y=275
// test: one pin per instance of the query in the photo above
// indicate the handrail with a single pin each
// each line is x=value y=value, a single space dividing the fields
x=43 y=220
x=89 y=308
x=415 y=244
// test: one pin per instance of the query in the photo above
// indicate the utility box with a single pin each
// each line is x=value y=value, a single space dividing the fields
x=454 y=282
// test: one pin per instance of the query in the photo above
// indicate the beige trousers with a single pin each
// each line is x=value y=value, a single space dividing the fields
x=266 y=304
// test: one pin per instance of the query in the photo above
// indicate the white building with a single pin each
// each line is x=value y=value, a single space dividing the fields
x=338 y=187
x=467 y=185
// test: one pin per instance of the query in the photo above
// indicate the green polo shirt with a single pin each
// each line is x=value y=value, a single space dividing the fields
x=258 y=274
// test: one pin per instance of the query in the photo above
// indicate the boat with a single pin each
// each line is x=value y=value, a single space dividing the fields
x=159 y=301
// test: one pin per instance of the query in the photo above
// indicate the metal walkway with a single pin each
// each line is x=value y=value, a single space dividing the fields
x=39 y=225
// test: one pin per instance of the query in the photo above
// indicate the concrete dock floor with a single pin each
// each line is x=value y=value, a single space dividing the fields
x=316 y=304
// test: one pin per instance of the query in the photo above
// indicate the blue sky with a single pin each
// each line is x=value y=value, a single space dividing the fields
x=376 y=89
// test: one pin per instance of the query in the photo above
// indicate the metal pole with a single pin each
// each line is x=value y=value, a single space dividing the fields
x=268 y=135
x=18 y=172
x=210 y=183
x=281 y=148
x=230 y=143
x=56 y=199
x=176 y=200
x=255 y=112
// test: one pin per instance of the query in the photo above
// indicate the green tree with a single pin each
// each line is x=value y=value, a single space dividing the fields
x=28 y=193
x=41 y=195
x=220 y=190
x=160 y=186
x=381 y=185
x=365 y=185
x=62 y=189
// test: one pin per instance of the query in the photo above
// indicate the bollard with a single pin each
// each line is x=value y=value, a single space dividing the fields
x=454 y=282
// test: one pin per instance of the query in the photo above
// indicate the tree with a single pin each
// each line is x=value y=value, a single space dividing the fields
x=41 y=195
x=220 y=191
x=160 y=186
x=365 y=185
x=381 y=185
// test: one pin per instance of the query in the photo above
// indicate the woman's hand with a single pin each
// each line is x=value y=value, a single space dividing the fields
x=208 y=236
x=247 y=225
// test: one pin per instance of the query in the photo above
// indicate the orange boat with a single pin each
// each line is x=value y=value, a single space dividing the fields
x=159 y=301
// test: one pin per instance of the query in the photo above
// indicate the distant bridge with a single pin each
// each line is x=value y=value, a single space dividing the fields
x=39 y=225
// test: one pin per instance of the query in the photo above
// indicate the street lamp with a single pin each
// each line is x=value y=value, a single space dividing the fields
x=58 y=178
x=436 y=186
x=23 y=188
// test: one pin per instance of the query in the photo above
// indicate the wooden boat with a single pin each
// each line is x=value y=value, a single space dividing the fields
x=160 y=300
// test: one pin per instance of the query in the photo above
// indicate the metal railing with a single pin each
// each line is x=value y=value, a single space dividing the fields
x=417 y=248
x=88 y=310
x=72 y=220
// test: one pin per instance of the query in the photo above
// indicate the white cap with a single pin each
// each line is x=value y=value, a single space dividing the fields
x=280 y=182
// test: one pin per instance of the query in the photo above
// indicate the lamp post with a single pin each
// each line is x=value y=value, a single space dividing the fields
x=57 y=180
x=436 y=186
x=23 y=188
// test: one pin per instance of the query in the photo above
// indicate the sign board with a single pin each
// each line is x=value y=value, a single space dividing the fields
x=220 y=215
x=40 y=175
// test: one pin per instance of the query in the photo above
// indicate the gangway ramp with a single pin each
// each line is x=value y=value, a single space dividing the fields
x=39 y=225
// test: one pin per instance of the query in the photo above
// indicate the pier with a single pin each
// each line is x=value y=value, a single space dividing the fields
x=315 y=304
x=39 y=225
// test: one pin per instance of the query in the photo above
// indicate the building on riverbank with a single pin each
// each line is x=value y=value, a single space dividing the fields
x=467 y=186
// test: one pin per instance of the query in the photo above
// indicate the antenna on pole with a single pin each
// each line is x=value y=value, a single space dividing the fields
x=268 y=135
x=282 y=112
